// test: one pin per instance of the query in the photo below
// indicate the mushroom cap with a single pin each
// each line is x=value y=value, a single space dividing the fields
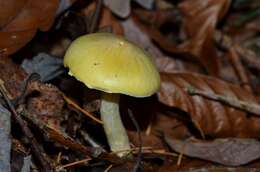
x=112 y=64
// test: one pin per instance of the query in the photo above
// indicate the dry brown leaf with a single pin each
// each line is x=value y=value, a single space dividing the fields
x=151 y=22
x=147 y=140
x=154 y=33
x=45 y=105
x=21 y=19
x=12 y=75
x=196 y=165
x=135 y=34
x=163 y=62
x=106 y=19
x=200 y=20
x=231 y=151
x=213 y=118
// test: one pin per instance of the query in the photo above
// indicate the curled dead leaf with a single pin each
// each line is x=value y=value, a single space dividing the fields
x=12 y=75
x=21 y=19
x=212 y=118
x=231 y=151
x=48 y=102
x=200 y=20
x=47 y=105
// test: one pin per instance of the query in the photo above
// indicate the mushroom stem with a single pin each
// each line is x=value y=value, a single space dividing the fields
x=114 y=129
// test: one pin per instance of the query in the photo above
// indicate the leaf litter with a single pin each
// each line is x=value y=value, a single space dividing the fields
x=205 y=117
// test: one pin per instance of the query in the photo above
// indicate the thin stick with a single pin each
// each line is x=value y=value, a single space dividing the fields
x=160 y=152
x=61 y=137
x=36 y=148
x=148 y=150
x=95 y=17
x=149 y=127
x=88 y=114
x=21 y=97
x=58 y=158
x=234 y=102
x=139 y=157
x=90 y=141
x=108 y=168
x=60 y=168
x=179 y=159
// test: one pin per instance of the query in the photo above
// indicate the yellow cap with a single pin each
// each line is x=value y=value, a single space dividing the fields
x=112 y=64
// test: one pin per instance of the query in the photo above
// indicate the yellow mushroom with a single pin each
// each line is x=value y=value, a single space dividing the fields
x=113 y=65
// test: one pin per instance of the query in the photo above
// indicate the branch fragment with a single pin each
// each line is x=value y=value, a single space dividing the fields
x=36 y=148
x=242 y=105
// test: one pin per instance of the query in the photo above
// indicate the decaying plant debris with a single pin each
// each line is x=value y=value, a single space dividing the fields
x=205 y=117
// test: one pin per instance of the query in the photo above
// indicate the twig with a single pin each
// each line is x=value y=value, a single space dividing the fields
x=61 y=138
x=239 y=68
x=94 y=20
x=60 y=168
x=65 y=140
x=179 y=159
x=149 y=127
x=160 y=152
x=148 y=150
x=231 y=101
x=108 y=168
x=90 y=141
x=36 y=148
x=88 y=114
x=58 y=158
x=31 y=77
x=139 y=157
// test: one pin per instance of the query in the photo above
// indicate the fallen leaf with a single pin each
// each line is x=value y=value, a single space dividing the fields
x=147 y=140
x=5 y=146
x=137 y=36
x=212 y=118
x=119 y=7
x=163 y=62
x=198 y=165
x=64 y=5
x=122 y=8
x=231 y=151
x=21 y=19
x=46 y=66
x=106 y=19
x=12 y=75
x=148 y=4
x=200 y=29
x=60 y=137
x=155 y=22
x=48 y=105
x=27 y=161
